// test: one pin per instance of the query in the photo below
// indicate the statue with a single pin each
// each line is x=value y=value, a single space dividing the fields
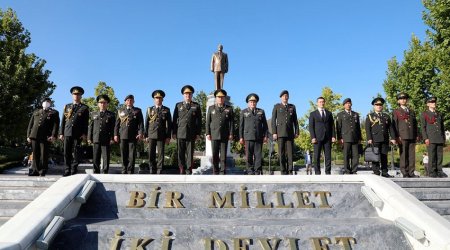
x=219 y=66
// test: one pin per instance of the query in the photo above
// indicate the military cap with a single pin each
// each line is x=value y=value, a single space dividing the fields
x=129 y=97
x=252 y=97
x=402 y=95
x=187 y=89
x=347 y=100
x=378 y=100
x=47 y=99
x=77 y=90
x=431 y=99
x=158 y=93
x=220 y=93
x=103 y=98
x=284 y=92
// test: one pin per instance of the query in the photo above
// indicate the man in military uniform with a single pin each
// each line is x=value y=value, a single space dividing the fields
x=348 y=131
x=378 y=128
x=158 y=130
x=187 y=127
x=73 y=130
x=42 y=128
x=129 y=129
x=219 y=130
x=405 y=125
x=253 y=133
x=433 y=133
x=323 y=134
x=285 y=130
x=101 y=134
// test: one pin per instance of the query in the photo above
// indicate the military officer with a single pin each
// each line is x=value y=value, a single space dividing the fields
x=253 y=133
x=73 y=130
x=187 y=127
x=101 y=134
x=348 y=130
x=219 y=130
x=433 y=133
x=285 y=130
x=42 y=128
x=129 y=129
x=378 y=128
x=405 y=125
x=158 y=130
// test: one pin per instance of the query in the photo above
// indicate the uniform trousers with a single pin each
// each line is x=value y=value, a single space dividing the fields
x=253 y=152
x=128 y=153
x=285 y=150
x=156 y=162
x=101 y=151
x=185 y=155
x=219 y=151
x=40 y=156
x=72 y=154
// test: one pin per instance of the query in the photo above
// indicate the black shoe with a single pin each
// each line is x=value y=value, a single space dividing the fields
x=66 y=174
x=376 y=173
x=433 y=175
x=386 y=175
x=413 y=176
x=75 y=171
x=442 y=175
x=33 y=174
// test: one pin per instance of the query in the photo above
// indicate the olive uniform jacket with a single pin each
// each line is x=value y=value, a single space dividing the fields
x=219 y=122
x=284 y=121
x=129 y=123
x=432 y=127
x=379 y=127
x=43 y=124
x=101 y=127
x=405 y=124
x=158 y=123
x=187 y=120
x=348 y=126
x=253 y=125
x=75 y=120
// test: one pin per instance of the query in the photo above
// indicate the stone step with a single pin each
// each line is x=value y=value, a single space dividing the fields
x=4 y=219
x=9 y=208
x=423 y=182
x=20 y=193
x=446 y=217
x=441 y=207
x=430 y=193
x=30 y=182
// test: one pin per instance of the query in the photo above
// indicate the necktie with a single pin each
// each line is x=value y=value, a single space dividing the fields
x=253 y=111
x=323 y=114
x=188 y=106
x=406 y=110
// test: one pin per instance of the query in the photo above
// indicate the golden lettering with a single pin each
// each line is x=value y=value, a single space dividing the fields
x=266 y=245
x=345 y=242
x=261 y=201
x=209 y=244
x=166 y=243
x=154 y=197
x=117 y=240
x=136 y=199
x=303 y=199
x=140 y=244
x=320 y=243
x=242 y=243
x=218 y=202
x=173 y=200
x=244 y=197
x=323 y=198
x=293 y=243
x=280 y=201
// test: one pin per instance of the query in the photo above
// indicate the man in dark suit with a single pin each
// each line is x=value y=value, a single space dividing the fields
x=219 y=130
x=101 y=134
x=219 y=66
x=158 y=130
x=129 y=130
x=187 y=127
x=433 y=132
x=253 y=133
x=348 y=130
x=321 y=129
x=42 y=128
x=73 y=130
x=285 y=130
x=405 y=124
x=378 y=128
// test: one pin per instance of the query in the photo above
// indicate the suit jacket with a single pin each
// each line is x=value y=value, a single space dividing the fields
x=319 y=128
x=187 y=121
x=379 y=128
x=284 y=121
x=219 y=122
x=101 y=127
x=158 y=124
x=432 y=127
x=219 y=62
x=405 y=124
x=43 y=124
x=75 y=120
x=129 y=123
x=348 y=126
x=253 y=126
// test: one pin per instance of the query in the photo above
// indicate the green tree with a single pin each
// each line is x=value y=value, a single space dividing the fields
x=103 y=89
x=202 y=99
x=23 y=79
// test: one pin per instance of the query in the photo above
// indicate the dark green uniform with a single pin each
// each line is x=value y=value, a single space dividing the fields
x=285 y=125
x=74 y=125
x=433 y=130
x=348 y=129
x=43 y=124
x=158 y=124
x=253 y=129
x=101 y=133
x=187 y=125
x=129 y=124
x=378 y=128
x=219 y=125
x=405 y=125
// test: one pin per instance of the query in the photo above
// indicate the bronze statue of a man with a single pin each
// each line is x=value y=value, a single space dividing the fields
x=219 y=66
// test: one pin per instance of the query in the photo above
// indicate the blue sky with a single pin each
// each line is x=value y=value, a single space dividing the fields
x=302 y=46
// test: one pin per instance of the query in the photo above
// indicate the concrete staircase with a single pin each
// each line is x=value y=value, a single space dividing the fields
x=433 y=192
x=16 y=192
